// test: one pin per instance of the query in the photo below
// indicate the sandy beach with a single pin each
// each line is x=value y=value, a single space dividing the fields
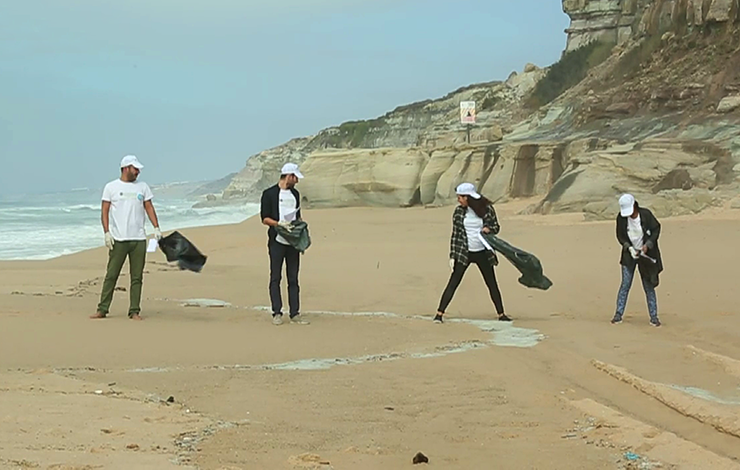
x=372 y=381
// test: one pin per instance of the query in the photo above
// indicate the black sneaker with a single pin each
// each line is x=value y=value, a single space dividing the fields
x=438 y=318
x=654 y=322
x=503 y=317
x=616 y=320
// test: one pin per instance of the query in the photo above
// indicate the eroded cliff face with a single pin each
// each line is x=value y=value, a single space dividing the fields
x=428 y=125
x=618 y=21
x=659 y=118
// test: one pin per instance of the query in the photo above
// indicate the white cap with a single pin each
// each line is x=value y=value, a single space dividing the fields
x=467 y=189
x=291 y=169
x=131 y=160
x=626 y=205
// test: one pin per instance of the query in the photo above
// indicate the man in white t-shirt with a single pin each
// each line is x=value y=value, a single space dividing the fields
x=280 y=205
x=125 y=203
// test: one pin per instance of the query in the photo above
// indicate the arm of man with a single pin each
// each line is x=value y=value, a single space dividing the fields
x=151 y=213
x=265 y=210
x=104 y=212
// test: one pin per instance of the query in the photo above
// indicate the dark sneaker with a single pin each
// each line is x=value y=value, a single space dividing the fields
x=503 y=317
x=438 y=319
x=654 y=322
x=616 y=320
x=277 y=319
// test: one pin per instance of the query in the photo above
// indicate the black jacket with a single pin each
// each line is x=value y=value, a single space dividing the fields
x=651 y=233
x=270 y=206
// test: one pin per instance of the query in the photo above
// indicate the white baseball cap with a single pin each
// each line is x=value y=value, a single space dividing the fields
x=626 y=205
x=467 y=189
x=131 y=160
x=291 y=169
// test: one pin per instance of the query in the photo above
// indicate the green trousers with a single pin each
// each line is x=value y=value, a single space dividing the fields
x=135 y=250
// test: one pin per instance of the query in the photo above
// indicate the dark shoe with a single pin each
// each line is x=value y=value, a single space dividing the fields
x=438 y=319
x=503 y=317
x=654 y=322
x=616 y=320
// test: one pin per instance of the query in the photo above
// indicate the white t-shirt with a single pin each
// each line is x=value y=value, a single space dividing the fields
x=287 y=205
x=634 y=231
x=473 y=226
x=127 y=215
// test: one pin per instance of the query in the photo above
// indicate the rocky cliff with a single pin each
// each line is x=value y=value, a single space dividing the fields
x=645 y=99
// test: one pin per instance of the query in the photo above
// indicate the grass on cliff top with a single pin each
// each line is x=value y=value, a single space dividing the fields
x=568 y=72
x=353 y=133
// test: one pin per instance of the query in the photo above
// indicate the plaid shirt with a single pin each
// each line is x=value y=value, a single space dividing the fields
x=459 y=240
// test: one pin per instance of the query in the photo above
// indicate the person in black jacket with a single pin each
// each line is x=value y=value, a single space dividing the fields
x=637 y=232
x=280 y=205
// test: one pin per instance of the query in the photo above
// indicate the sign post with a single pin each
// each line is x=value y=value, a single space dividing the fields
x=467 y=115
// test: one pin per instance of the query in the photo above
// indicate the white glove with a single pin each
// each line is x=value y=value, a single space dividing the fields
x=286 y=225
x=452 y=264
x=157 y=233
x=109 y=242
x=635 y=254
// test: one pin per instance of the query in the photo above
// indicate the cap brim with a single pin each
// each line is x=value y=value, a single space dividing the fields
x=298 y=174
x=475 y=195
x=627 y=211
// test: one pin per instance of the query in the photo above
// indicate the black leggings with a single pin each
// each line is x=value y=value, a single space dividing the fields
x=481 y=259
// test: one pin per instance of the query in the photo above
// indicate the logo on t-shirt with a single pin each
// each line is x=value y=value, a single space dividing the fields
x=140 y=197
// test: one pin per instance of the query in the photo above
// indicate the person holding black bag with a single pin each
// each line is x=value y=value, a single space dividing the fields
x=280 y=206
x=473 y=215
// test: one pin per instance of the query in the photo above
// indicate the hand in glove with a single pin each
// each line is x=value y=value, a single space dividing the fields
x=286 y=225
x=157 y=233
x=452 y=264
x=634 y=252
x=109 y=242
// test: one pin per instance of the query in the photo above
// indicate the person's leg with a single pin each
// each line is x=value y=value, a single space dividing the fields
x=486 y=270
x=652 y=299
x=136 y=262
x=116 y=258
x=277 y=255
x=628 y=274
x=292 y=267
x=457 y=275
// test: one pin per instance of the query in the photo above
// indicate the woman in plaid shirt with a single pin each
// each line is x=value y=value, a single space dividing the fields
x=473 y=215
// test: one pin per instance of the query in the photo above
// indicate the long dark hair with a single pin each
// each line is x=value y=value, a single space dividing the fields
x=479 y=206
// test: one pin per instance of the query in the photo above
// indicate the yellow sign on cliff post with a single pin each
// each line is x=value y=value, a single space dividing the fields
x=467 y=112
x=467 y=115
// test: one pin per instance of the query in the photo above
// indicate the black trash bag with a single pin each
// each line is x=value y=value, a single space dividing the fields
x=178 y=248
x=526 y=263
x=298 y=236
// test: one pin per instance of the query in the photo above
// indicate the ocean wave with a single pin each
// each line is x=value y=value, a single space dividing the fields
x=39 y=233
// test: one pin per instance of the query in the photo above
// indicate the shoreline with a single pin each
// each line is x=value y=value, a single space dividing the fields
x=509 y=210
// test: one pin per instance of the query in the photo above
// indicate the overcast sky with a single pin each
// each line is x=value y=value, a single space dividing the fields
x=195 y=87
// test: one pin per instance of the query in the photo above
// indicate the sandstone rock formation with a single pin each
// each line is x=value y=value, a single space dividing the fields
x=658 y=118
x=618 y=21
x=429 y=124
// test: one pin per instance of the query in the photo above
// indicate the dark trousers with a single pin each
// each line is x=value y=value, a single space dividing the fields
x=481 y=259
x=279 y=253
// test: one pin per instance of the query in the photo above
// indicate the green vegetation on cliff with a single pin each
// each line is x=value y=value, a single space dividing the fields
x=568 y=71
